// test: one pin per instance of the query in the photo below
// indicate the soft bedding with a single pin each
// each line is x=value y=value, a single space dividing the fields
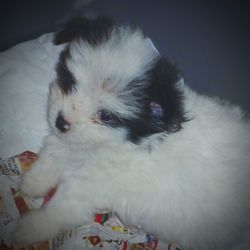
x=25 y=73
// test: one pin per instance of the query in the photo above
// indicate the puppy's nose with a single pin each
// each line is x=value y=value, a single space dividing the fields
x=61 y=123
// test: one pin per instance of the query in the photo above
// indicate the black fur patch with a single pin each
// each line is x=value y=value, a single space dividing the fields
x=162 y=90
x=65 y=79
x=94 y=31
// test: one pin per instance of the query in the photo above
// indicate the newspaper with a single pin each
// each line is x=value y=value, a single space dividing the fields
x=106 y=232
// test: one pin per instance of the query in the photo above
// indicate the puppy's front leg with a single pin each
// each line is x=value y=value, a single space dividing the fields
x=61 y=213
x=44 y=173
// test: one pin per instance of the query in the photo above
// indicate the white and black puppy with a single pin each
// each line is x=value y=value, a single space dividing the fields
x=129 y=136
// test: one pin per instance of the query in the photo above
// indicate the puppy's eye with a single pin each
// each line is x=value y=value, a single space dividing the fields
x=104 y=116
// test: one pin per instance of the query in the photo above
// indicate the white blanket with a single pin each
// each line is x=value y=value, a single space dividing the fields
x=25 y=73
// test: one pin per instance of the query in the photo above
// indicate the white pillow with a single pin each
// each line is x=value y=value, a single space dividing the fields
x=26 y=71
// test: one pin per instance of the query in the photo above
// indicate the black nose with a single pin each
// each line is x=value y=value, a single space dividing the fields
x=61 y=123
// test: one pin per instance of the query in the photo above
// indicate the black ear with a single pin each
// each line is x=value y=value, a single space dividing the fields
x=161 y=103
x=94 y=31
x=165 y=93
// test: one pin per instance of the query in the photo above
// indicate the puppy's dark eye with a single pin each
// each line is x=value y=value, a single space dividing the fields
x=104 y=116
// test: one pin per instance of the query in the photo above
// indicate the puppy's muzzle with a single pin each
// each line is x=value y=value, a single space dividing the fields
x=62 y=124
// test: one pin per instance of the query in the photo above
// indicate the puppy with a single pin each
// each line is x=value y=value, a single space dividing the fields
x=128 y=135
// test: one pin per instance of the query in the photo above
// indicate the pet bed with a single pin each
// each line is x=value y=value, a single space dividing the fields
x=25 y=73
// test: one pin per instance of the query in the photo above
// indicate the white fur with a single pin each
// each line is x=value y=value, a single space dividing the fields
x=192 y=187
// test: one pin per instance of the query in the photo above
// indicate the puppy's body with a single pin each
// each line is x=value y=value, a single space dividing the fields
x=127 y=136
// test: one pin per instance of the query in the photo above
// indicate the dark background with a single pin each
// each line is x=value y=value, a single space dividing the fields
x=208 y=39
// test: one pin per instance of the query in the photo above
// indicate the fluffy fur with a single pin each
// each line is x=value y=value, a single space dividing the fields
x=128 y=136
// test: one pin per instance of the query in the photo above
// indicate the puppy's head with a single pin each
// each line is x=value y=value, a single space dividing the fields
x=111 y=85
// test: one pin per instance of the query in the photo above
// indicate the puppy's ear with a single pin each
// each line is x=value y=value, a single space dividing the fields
x=167 y=98
x=94 y=31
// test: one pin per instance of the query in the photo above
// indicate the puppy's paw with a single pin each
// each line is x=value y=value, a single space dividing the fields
x=32 y=186
x=25 y=232
x=33 y=228
x=38 y=180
